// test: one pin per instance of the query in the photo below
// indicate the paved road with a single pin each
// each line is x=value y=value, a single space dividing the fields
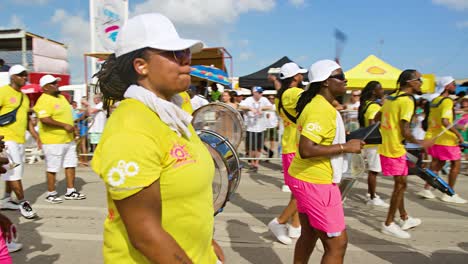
x=71 y=232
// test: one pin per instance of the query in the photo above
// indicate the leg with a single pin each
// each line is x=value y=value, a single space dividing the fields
x=454 y=171
x=289 y=212
x=17 y=188
x=335 y=247
x=397 y=196
x=372 y=183
x=306 y=243
x=51 y=181
x=70 y=175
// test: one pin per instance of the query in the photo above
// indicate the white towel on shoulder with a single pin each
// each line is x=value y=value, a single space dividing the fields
x=169 y=112
x=338 y=162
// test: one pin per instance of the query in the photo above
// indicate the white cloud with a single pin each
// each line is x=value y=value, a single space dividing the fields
x=462 y=24
x=74 y=30
x=297 y=2
x=453 y=4
x=209 y=20
x=244 y=56
x=243 y=43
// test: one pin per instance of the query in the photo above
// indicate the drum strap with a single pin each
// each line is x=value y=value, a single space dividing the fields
x=288 y=115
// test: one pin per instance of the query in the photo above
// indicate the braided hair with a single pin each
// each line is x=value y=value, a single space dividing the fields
x=404 y=77
x=285 y=84
x=116 y=75
x=366 y=95
x=307 y=96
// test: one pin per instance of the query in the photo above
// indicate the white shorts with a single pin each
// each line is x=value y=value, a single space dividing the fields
x=58 y=155
x=16 y=152
x=373 y=159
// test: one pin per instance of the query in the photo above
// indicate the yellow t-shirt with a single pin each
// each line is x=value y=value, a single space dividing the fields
x=137 y=149
x=393 y=111
x=435 y=126
x=186 y=104
x=289 y=100
x=320 y=127
x=59 y=109
x=9 y=100
x=370 y=114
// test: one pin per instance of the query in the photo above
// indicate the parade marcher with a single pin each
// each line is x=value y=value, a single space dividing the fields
x=317 y=167
x=368 y=114
x=56 y=130
x=397 y=112
x=12 y=101
x=255 y=107
x=157 y=172
x=446 y=146
x=291 y=80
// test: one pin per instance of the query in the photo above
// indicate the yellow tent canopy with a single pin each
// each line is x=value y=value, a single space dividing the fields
x=375 y=69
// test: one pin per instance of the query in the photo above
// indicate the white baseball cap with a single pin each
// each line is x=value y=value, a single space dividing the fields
x=321 y=70
x=16 y=69
x=46 y=79
x=152 y=30
x=289 y=70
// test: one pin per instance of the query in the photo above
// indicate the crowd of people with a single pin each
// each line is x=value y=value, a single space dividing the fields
x=148 y=146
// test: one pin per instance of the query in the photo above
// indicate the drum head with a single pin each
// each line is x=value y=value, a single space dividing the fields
x=222 y=119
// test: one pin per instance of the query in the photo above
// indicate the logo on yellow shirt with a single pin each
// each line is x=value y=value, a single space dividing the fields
x=180 y=153
x=117 y=175
x=12 y=100
x=313 y=127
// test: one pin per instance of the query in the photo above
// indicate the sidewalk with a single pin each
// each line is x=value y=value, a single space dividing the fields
x=71 y=232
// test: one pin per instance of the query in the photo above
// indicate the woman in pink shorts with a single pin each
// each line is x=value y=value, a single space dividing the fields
x=5 y=225
x=316 y=168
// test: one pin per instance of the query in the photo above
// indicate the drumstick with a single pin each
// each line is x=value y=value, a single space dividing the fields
x=376 y=125
x=448 y=128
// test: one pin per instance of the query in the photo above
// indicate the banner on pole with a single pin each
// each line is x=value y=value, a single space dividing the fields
x=107 y=17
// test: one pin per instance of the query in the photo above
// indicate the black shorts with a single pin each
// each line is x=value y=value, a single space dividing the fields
x=254 y=141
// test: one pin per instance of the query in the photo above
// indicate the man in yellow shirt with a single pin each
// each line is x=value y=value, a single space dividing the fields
x=445 y=147
x=12 y=98
x=397 y=113
x=56 y=132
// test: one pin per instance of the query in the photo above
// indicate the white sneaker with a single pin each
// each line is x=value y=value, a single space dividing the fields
x=13 y=246
x=285 y=189
x=408 y=223
x=294 y=232
x=26 y=210
x=453 y=199
x=394 y=230
x=8 y=204
x=280 y=231
x=426 y=194
x=378 y=202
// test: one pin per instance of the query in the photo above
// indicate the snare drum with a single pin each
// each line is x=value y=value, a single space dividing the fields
x=415 y=158
x=356 y=168
x=227 y=167
x=222 y=119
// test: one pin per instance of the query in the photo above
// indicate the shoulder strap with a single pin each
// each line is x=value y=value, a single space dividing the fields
x=434 y=105
x=21 y=102
x=281 y=108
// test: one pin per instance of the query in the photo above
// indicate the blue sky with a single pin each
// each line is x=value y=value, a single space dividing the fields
x=429 y=35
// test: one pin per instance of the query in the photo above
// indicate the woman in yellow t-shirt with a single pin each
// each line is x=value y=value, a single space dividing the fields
x=368 y=114
x=316 y=169
x=157 y=172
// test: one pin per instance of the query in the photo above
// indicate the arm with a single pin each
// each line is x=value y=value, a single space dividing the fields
x=141 y=214
x=51 y=122
x=408 y=136
x=34 y=133
x=310 y=149
x=453 y=129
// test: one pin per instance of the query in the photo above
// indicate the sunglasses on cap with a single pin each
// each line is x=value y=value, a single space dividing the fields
x=339 y=76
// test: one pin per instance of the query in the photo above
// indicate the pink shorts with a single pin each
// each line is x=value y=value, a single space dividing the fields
x=394 y=166
x=445 y=152
x=287 y=160
x=321 y=203
x=4 y=255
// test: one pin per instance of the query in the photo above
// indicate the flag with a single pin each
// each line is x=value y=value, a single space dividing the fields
x=106 y=19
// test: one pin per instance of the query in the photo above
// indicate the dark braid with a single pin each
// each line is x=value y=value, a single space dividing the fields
x=366 y=95
x=403 y=79
x=116 y=75
x=307 y=96
x=285 y=83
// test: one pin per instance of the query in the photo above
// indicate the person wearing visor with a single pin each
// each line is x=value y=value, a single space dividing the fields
x=157 y=172
x=317 y=167
x=56 y=130
x=291 y=76
x=12 y=99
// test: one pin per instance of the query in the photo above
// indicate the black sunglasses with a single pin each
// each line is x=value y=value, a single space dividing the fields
x=340 y=76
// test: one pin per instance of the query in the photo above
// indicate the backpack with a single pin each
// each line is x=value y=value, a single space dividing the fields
x=361 y=113
x=393 y=98
x=427 y=109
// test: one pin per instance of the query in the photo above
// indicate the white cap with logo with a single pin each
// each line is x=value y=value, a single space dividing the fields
x=321 y=70
x=289 y=70
x=16 y=69
x=152 y=30
x=46 y=79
